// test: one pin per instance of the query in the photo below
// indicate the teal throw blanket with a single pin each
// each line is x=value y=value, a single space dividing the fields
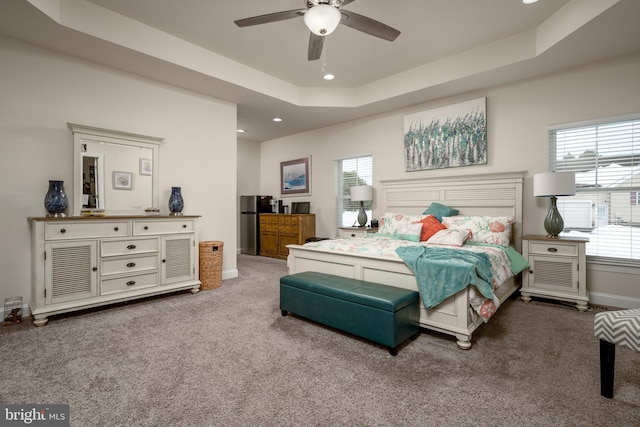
x=442 y=272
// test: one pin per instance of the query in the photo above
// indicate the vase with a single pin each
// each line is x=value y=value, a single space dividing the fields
x=176 y=204
x=55 y=200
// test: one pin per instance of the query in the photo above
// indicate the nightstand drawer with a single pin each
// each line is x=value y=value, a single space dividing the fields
x=548 y=248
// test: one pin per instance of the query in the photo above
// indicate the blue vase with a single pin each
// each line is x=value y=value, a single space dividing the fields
x=176 y=204
x=56 y=200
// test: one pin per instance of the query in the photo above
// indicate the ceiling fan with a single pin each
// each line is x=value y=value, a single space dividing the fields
x=322 y=17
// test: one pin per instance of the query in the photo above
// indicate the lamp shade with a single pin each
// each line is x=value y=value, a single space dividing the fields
x=550 y=184
x=322 y=19
x=361 y=193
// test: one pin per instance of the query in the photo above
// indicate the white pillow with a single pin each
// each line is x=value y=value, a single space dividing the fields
x=390 y=221
x=448 y=237
x=483 y=229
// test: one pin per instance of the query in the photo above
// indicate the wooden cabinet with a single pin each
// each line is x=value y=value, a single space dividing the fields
x=279 y=230
x=80 y=262
x=354 y=232
x=557 y=269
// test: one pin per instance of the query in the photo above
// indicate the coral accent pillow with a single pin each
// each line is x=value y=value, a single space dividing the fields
x=430 y=226
x=483 y=229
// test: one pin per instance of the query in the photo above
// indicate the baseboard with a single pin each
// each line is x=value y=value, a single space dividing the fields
x=230 y=274
x=610 y=300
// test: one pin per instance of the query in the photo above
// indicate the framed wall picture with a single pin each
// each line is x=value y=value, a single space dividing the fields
x=122 y=180
x=146 y=167
x=446 y=137
x=295 y=177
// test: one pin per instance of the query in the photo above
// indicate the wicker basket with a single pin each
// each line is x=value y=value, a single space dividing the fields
x=211 y=265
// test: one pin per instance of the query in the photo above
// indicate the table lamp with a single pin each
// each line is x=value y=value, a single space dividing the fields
x=361 y=193
x=553 y=184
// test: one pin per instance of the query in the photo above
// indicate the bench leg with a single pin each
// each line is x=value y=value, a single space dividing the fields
x=607 y=365
x=284 y=312
x=393 y=351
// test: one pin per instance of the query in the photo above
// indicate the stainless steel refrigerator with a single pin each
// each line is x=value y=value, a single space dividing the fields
x=250 y=209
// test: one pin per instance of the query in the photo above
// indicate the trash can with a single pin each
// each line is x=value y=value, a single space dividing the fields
x=12 y=310
x=210 y=265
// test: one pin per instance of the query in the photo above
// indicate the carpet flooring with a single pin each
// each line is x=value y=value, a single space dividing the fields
x=228 y=357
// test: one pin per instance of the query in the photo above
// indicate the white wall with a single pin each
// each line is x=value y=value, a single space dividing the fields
x=518 y=116
x=43 y=90
x=248 y=174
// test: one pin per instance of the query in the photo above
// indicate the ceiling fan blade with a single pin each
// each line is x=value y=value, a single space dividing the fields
x=315 y=47
x=369 y=26
x=346 y=2
x=270 y=17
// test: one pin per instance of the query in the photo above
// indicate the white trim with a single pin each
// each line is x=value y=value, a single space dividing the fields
x=594 y=122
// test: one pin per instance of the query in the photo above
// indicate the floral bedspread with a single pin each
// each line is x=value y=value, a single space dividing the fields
x=377 y=246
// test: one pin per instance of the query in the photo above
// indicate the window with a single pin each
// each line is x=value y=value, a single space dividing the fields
x=605 y=157
x=352 y=171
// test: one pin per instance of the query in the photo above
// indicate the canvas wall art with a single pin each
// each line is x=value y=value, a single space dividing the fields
x=295 y=177
x=446 y=137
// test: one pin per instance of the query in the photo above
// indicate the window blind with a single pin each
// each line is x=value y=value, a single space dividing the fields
x=352 y=171
x=605 y=158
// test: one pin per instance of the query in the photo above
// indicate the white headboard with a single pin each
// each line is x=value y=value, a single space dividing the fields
x=496 y=194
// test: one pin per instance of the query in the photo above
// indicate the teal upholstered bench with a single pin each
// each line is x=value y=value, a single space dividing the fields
x=383 y=314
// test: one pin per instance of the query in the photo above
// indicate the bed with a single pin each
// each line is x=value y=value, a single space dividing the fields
x=497 y=194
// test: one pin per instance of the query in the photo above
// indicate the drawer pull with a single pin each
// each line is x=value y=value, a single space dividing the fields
x=115 y=228
x=131 y=264
x=131 y=247
x=552 y=250
x=146 y=227
x=131 y=283
x=95 y=268
x=184 y=225
x=62 y=231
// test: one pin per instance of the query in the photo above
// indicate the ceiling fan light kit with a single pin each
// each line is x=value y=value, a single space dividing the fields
x=322 y=19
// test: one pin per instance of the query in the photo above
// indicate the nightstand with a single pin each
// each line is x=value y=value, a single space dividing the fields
x=353 y=232
x=557 y=269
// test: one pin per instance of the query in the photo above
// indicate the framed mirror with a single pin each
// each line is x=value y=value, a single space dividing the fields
x=115 y=171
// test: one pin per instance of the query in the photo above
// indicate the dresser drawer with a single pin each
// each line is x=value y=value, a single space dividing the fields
x=57 y=230
x=552 y=248
x=130 y=283
x=110 y=266
x=141 y=228
x=128 y=246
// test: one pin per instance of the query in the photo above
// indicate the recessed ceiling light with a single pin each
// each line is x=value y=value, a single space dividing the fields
x=277 y=119
x=241 y=131
x=529 y=1
x=328 y=76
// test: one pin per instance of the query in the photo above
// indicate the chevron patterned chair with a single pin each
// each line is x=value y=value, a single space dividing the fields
x=613 y=328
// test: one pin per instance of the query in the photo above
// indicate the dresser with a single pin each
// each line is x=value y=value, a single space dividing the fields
x=279 y=230
x=83 y=262
x=557 y=269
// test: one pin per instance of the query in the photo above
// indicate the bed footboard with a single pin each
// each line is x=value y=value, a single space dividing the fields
x=453 y=316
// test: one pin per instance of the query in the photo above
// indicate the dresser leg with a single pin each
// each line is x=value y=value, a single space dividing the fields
x=40 y=320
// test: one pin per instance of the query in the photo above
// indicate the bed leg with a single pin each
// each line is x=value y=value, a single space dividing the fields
x=464 y=342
